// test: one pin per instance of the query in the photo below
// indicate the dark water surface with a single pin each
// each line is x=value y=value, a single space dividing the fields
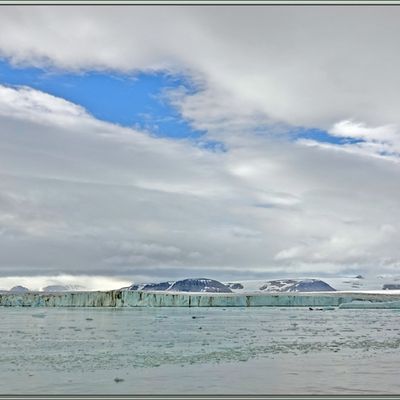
x=200 y=350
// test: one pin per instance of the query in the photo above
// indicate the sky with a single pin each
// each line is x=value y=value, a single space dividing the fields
x=144 y=143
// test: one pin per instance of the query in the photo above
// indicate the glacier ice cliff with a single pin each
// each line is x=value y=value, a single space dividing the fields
x=128 y=298
x=368 y=304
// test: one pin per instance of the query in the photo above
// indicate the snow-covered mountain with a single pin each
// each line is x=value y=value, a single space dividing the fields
x=19 y=289
x=350 y=283
x=152 y=286
x=391 y=286
x=62 y=288
x=186 y=285
x=340 y=283
x=297 y=285
x=199 y=285
x=234 y=285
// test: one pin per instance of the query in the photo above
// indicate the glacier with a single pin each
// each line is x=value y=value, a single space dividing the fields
x=127 y=298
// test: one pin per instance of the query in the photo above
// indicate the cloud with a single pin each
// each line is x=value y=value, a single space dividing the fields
x=79 y=195
x=88 y=282
x=90 y=196
x=27 y=103
x=359 y=130
x=296 y=65
x=379 y=142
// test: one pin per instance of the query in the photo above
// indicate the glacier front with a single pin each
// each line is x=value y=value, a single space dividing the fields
x=127 y=298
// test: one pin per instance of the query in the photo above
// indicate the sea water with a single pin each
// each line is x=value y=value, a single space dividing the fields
x=198 y=350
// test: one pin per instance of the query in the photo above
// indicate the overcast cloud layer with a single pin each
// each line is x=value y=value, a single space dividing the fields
x=82 y=196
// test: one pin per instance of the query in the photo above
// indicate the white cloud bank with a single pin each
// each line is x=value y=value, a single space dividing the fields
x=80 y=196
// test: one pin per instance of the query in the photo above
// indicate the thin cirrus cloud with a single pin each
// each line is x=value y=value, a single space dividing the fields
x=80 y=194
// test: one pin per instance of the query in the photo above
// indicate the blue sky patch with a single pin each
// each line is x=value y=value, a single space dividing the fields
x=133 y=101
x=323 y=136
